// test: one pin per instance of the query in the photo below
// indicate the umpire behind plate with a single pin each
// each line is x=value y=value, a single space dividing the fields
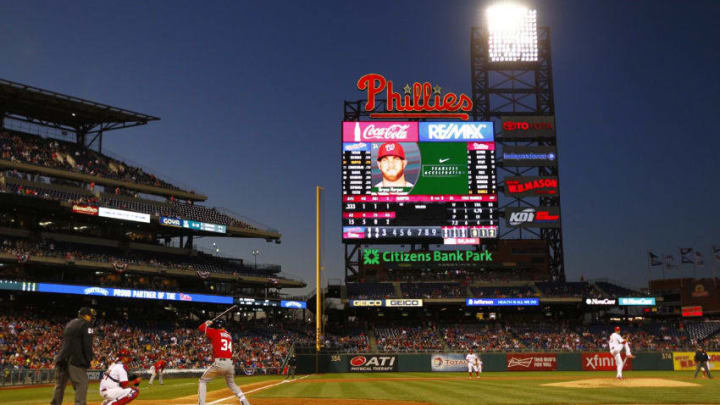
x=74 y=358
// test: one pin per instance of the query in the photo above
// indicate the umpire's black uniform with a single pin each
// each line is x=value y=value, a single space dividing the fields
x=701 y=362
x=74 y=358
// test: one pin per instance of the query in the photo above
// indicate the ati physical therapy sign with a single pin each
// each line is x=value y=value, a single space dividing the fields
x=417 y=100
x=374 y=256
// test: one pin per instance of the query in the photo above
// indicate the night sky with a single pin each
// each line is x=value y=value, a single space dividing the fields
x=251 y=96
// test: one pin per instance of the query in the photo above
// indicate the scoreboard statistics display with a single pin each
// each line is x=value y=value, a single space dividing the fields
x=429 y=182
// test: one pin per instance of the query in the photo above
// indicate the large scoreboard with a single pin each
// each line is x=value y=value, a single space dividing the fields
x=431 y=182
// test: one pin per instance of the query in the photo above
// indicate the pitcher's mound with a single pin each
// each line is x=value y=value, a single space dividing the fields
x=630 y=382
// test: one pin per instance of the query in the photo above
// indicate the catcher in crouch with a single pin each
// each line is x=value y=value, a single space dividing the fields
x=115 y=387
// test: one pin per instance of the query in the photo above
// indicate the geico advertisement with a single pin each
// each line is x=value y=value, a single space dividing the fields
x=448 y=362
x=366 y=303
x=403 y=302
x=685 y=361
x=369 y=363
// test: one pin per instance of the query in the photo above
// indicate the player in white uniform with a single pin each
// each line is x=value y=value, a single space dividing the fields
x=616 y=345
x=114 y=386
x=473 y=363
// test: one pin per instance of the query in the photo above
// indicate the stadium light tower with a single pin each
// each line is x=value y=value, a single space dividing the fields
x=512 y=82
x=512 y=33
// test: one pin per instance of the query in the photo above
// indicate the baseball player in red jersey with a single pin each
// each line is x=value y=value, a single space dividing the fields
x=222 y=365
x=157 y=369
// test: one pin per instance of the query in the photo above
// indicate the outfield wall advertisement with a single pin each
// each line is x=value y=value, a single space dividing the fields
x=448 y=362
x=373 y=363
x=531 y=361
x=685 y=361
x=602 y=361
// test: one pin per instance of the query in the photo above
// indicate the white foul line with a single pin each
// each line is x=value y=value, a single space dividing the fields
x=257 y=389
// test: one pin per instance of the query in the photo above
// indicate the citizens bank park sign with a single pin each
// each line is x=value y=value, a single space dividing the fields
x=416 y=100
x=375 y=256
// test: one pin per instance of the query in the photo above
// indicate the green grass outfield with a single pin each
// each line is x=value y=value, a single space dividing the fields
x=436 y=388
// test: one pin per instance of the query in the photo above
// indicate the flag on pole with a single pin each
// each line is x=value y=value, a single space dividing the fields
x=716 y=252
x=654 y=259
x=685 y=256
x=699 y=261
x=669 y=261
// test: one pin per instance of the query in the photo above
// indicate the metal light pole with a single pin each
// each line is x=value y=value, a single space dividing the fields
x=255 y=253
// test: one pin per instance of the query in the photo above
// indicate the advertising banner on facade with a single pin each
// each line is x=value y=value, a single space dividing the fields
x=602 y=361
x=534 y=217
x=528 y=127
x=531 y=361
x=448 y=362
x=85 y=209
x=529 y=156
x=685 y=361
x=701 y=292
x=403 y=303
x=531 y=186
x=367 y=363
x=123 y=215
x=380 y=131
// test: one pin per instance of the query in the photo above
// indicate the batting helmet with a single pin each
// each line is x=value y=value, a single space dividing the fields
x=87 y=311
x=617 y=329
x=219 y=324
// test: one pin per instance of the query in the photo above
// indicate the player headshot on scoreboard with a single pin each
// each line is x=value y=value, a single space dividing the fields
x=392 y=163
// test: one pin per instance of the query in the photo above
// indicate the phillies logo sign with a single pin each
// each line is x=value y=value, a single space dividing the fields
x=419 y=100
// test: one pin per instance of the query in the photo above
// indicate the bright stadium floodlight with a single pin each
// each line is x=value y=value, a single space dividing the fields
x=512 y=33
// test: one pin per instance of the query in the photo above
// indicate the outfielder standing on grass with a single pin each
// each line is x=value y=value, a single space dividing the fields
x=616 y=345
x=473 y=363
x=223 y=364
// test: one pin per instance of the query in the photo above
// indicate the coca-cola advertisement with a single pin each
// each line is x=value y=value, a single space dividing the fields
x=406 y=131
x=602 y=361
x=531 y=362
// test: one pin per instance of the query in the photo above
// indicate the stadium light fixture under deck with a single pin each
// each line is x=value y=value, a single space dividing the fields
x=512 y=33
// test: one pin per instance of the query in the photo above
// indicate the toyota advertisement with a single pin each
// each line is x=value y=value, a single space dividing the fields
x=531 y=217
x=528 y=127
x=602 y=361
x=531 y=362
x=373 y=363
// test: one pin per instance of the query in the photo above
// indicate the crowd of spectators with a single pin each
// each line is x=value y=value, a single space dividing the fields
x=63 y=155
x=370 y=290
x=568 y=289
x=120 y=200
x=121 y=259
x=433 y=290
x=503 y=292
x=409 y=339
x=31 y=342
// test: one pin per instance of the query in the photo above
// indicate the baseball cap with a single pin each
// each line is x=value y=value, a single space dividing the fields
x=391 y=149
x=617 y=329
x=87 y=311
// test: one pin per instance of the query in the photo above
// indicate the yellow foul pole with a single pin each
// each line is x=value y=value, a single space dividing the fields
x=318 y=286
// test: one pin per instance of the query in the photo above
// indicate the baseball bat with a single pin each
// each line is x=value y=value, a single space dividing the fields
x=224 y=312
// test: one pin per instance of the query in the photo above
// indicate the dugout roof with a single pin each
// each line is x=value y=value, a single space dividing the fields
x=48 y=108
